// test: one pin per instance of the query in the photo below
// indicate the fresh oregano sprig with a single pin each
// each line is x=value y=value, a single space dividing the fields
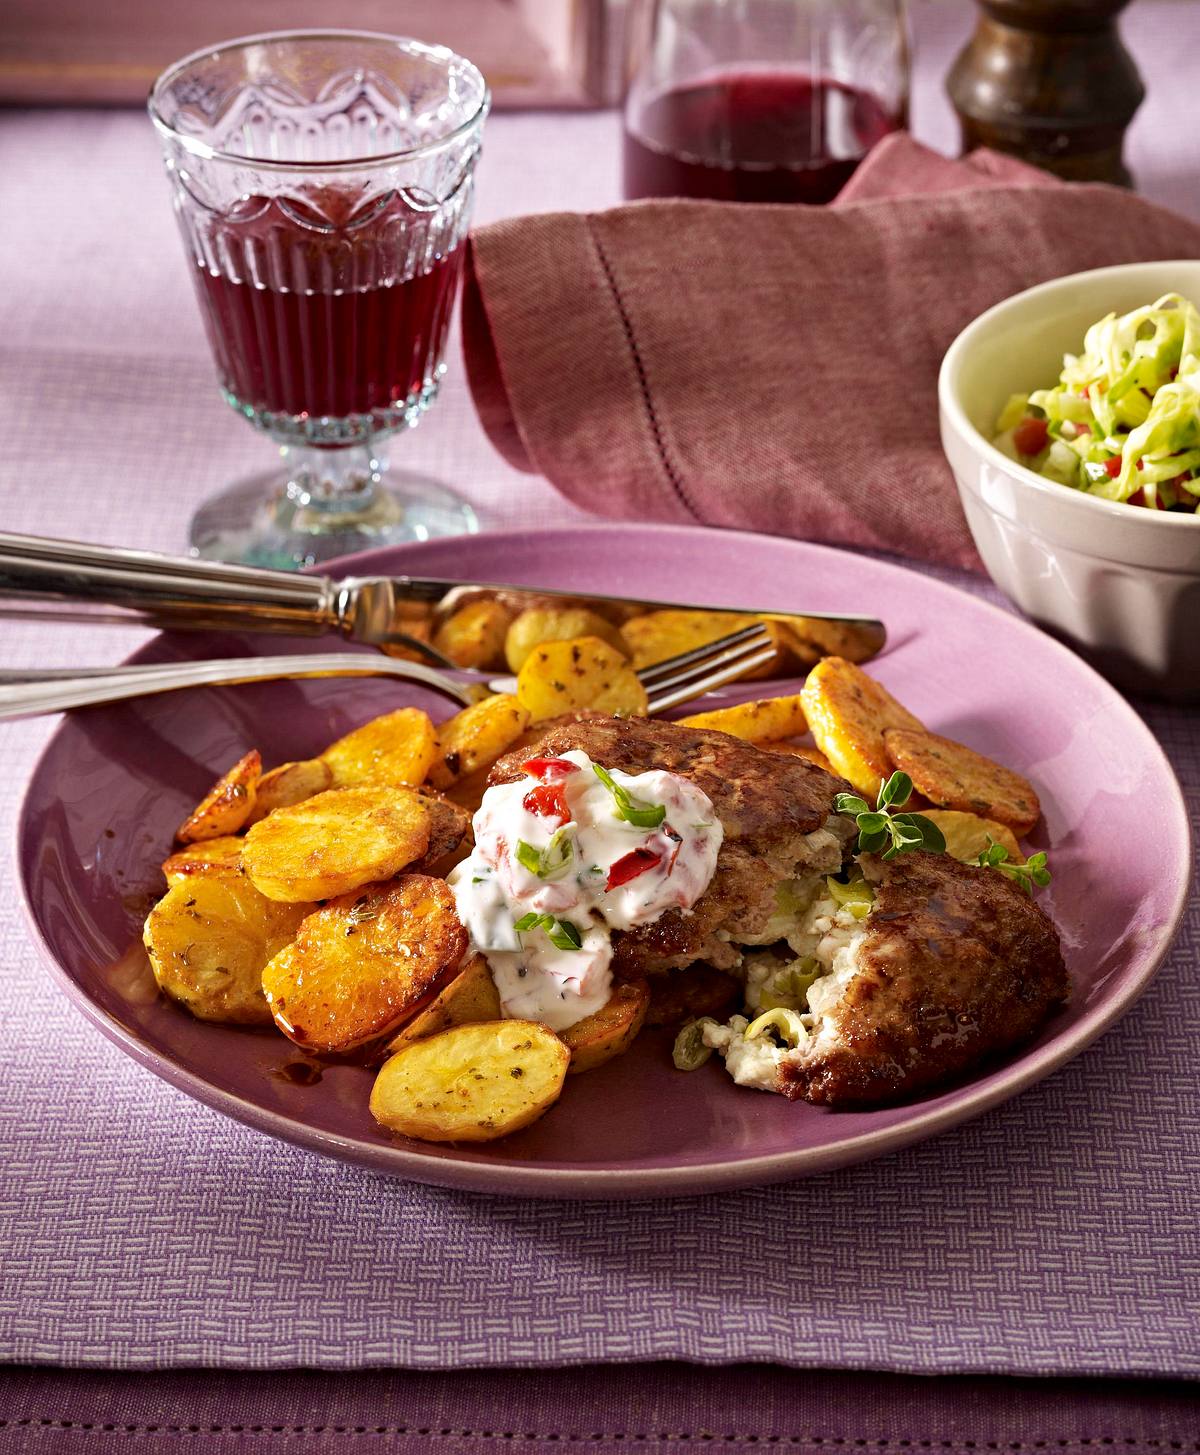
x=879 y=828
x=1032 y=874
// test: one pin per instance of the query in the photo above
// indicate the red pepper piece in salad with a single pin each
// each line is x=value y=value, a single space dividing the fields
x=1031 y=435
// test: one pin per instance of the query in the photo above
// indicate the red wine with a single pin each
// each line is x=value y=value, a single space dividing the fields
x=313 y=310
x=753 y=137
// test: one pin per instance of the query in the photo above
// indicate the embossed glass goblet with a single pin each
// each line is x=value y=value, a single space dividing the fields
x=323 y=183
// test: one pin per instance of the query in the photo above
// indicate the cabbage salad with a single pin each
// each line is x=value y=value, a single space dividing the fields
x=1123 y=421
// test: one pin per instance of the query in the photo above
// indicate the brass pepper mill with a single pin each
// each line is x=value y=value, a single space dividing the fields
x=1050 y=82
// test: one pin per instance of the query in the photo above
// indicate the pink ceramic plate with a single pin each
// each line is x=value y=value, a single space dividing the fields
x=114 y=783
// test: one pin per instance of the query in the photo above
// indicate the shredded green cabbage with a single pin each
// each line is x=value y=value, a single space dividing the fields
x=1123 y=421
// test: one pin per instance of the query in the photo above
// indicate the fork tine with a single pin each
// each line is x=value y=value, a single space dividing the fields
x=662 y=701
x=652 y=676
x=700 y=663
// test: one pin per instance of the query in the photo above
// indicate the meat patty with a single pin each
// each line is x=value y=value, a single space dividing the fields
x=777 y=813
x=955 y=963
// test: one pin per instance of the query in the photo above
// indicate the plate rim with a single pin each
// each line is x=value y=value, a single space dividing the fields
x=593 y=1184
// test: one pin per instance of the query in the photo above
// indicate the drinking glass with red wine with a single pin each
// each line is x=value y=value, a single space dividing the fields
x=323 y=183
x=760 y=100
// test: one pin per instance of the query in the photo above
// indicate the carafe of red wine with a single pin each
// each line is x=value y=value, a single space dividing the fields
x=759 y=100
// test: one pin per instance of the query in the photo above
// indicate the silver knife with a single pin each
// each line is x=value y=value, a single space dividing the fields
x=48 y=579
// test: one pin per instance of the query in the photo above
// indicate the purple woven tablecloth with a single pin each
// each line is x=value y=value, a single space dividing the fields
x=137 y=1229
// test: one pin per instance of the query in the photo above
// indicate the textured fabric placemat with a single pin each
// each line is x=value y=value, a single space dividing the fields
x=138 y=1229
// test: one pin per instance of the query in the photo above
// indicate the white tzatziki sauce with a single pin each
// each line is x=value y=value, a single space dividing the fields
x=562 y=858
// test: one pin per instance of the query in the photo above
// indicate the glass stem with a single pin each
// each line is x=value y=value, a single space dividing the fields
x=334 y=479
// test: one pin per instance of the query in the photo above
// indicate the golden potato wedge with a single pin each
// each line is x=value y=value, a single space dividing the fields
x=337 y=841
x=560 y=677
x=967 y=835
x=657 y=635
x=397 y=748
x=210 y=856
x=471 y=1083
x=471 y=997
x=557 y=624
x=696 y=990
x=766 y=720
x=473 y=636
x=849 y=713
x=474 y=738
x=800 y=750
x=209 y=938
x=226 y=806
x=952 y=775
x=361 y=964
x=610 y=1031
x=288 y=784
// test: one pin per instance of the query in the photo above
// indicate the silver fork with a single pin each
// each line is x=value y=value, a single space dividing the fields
x=677 y=679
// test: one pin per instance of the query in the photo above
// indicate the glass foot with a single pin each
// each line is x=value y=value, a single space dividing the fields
x=266 y=521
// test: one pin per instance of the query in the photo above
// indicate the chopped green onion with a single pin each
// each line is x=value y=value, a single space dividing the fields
x=553 y=861
x=561 y=933
x=641 y=815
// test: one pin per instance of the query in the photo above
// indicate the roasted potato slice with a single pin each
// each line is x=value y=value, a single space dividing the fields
x=337 y=841
x=608 y=1032
x=473 y=739
x=967 y=835
x=560 y=677
x=657 y=635
x=227 y=805
x=471 y=997
x=288 y=784
x=209 y=938
x=951 y=775
x=766 y=720
x=361 y=964
x=471 y=1083
x=849 y=713
x=474 y=635
x=398 y=748
x=811 y=640
x=800 y=750
x=696 y=990
x=210 y=856
x=557 y=624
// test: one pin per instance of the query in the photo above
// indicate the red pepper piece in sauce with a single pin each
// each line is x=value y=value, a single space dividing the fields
x=548 y=768
x=1112 y=467
x=636 y=862
x=547 y=800
x=1030 y=435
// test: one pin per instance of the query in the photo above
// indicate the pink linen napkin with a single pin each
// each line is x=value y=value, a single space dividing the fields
x=774 y=368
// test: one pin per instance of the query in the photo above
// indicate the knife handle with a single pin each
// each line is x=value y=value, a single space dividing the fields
x=74 y=581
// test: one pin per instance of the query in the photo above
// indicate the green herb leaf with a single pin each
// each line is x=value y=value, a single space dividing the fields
x=1030 y=875
x=898 y=789
x=850 y=803
x=641 y=815
x=881 y=830
x=527 y=922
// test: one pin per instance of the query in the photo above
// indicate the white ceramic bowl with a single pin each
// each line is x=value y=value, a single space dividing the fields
x=1119 y=582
